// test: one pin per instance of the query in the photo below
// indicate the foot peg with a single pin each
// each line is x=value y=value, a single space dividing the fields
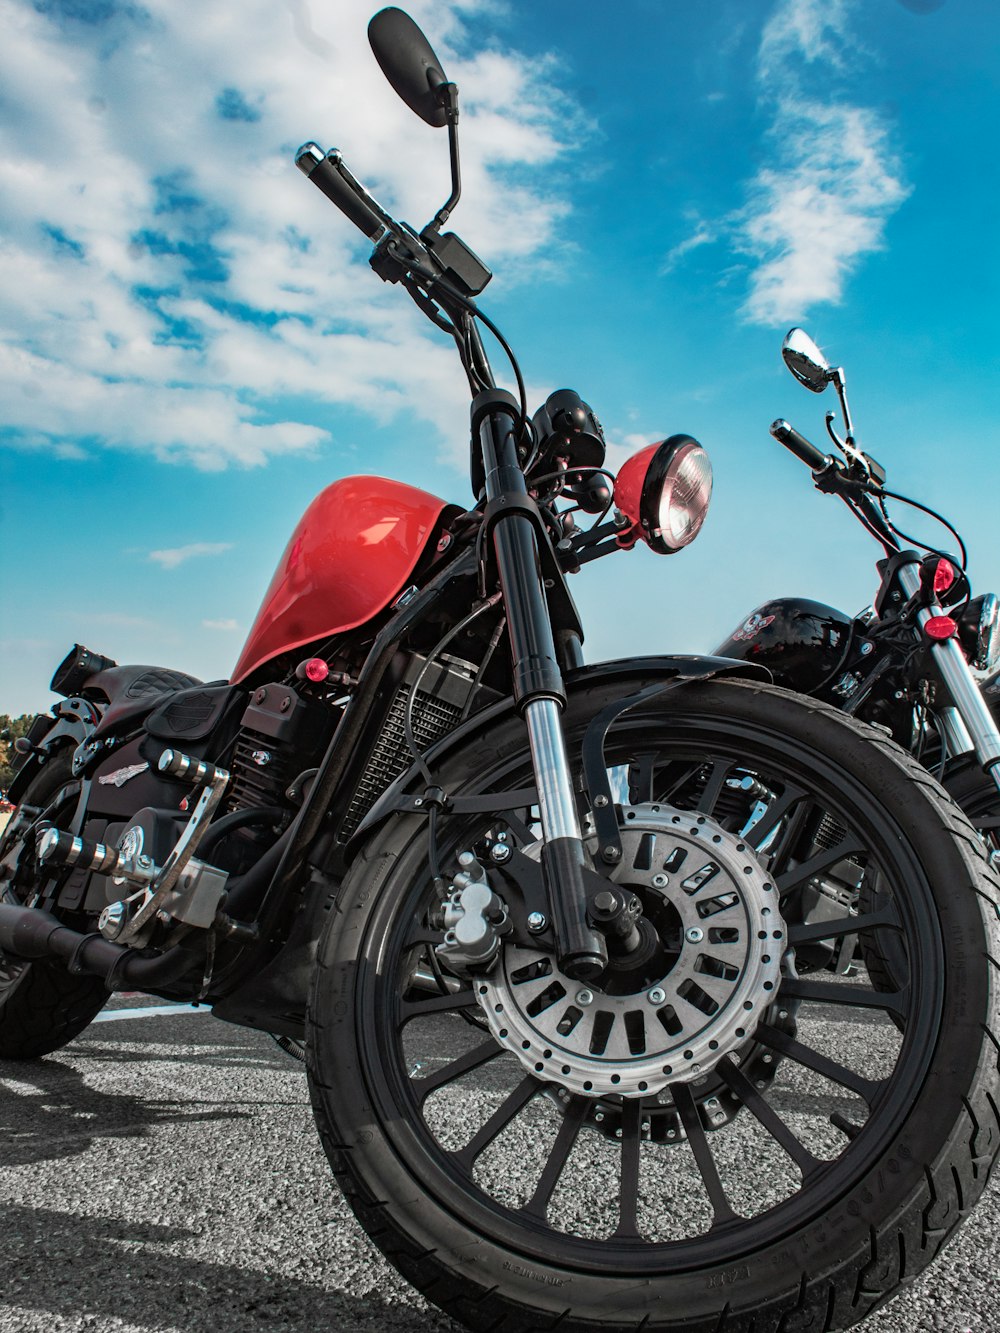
x=182 y=889
x=196 y=771
x=62 y=849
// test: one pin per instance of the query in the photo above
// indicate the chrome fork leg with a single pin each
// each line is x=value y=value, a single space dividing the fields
x=556 y=800
x=582 y=952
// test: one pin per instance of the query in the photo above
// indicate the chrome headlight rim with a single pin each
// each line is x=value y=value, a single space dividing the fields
x=979 y=631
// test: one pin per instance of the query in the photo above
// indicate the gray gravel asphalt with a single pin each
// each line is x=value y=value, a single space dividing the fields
x=164 y=1173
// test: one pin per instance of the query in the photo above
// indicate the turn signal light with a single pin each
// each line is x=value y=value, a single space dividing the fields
x=314 y=669
x=944 y=576
x=940 y=628
x=942 y=580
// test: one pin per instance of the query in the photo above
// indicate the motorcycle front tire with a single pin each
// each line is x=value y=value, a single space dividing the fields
x=868 y=1206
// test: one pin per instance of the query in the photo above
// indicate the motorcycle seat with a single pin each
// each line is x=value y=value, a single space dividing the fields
x=133 y=691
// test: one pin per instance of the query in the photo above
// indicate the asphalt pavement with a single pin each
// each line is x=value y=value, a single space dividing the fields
x=163 y=1173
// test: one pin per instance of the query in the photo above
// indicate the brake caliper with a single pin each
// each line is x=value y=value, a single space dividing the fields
x=474 y=918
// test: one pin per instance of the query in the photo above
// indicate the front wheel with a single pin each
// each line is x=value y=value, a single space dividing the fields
x=703 y=1139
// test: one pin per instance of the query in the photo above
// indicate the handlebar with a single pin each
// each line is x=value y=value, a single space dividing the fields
x=328 y=173
x=797 y=444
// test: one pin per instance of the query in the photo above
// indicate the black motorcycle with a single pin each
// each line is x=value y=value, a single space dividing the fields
x=537 y=922
x=921 y=662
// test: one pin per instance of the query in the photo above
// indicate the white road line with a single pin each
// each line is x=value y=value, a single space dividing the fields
x=150 y=1011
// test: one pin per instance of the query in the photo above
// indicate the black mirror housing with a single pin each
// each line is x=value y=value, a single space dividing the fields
x=408 y=62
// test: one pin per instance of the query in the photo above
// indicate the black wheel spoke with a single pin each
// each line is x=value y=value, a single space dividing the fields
x=522 y=834
x=768 y=1117
x=845 y=1126
x=775 y=813
x=856 y=997
x=805 y=933
x=721 y=1208
x=713 y=787
x=791 y=878
x=628 y=1198
x=498 y=1121
x=473 y=1059
x=437 y=1004
x=819 y=1063
x=684 y=778
x=640 y=778
x=565 y=1140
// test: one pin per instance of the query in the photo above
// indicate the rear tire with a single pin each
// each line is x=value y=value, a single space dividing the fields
x=42 y=1006
x=897 y=1152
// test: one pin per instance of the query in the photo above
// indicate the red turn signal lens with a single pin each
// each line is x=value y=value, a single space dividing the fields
x=314 y=669
x=940 y=628
x=944 y=576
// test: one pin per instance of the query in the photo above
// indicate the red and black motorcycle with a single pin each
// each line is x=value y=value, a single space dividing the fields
x=537 y=922
x=921 y=662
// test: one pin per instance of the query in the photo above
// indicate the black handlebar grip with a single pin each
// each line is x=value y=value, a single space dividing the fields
x=797 y=444
x=322 y=170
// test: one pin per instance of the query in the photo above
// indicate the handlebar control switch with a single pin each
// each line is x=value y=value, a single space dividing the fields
x=459 y=265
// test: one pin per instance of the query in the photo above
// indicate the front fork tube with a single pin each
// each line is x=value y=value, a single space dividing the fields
x=538 y=686
x=581 y=951
x=973 y=715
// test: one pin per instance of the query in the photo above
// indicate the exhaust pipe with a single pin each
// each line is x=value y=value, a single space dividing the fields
x=28 y=933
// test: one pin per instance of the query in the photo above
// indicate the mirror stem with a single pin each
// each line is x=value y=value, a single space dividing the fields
x=839 y=382
x=448 y=94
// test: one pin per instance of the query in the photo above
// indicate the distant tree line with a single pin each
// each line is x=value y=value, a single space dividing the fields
x=10 y=729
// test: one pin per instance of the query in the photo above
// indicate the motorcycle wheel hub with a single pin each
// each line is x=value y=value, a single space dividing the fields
x=722 y=941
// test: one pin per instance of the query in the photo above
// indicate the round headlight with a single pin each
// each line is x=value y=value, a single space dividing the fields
x=979 y=631
x=664 y=490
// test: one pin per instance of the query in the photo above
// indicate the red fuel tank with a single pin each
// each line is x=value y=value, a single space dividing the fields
x=352 y=553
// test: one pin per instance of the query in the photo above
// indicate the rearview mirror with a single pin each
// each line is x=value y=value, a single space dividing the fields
x=408 y=62
x=806 y=362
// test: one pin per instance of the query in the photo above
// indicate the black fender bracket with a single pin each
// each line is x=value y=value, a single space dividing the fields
x=642 y=679
x=72 y=722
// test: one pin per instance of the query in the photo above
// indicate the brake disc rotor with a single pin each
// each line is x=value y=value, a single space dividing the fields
x=721 y=940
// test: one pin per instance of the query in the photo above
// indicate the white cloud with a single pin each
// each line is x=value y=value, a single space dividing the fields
x=812 y=218
x=224 y=625
x=823 y=200
x=171 y=557
x=810 y=30
x=703 y=234
x=170 y=278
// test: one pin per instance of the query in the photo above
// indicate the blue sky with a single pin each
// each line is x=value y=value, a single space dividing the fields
x=192 y=345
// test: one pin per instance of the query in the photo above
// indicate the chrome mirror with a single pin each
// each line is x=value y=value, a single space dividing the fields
x=806 y=362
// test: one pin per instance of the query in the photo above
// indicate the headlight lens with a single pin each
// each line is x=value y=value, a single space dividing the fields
x=979 y=631
x=665 y=490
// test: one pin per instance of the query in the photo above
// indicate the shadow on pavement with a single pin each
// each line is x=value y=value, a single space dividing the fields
x=48 y=1111
x=108 y=1268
